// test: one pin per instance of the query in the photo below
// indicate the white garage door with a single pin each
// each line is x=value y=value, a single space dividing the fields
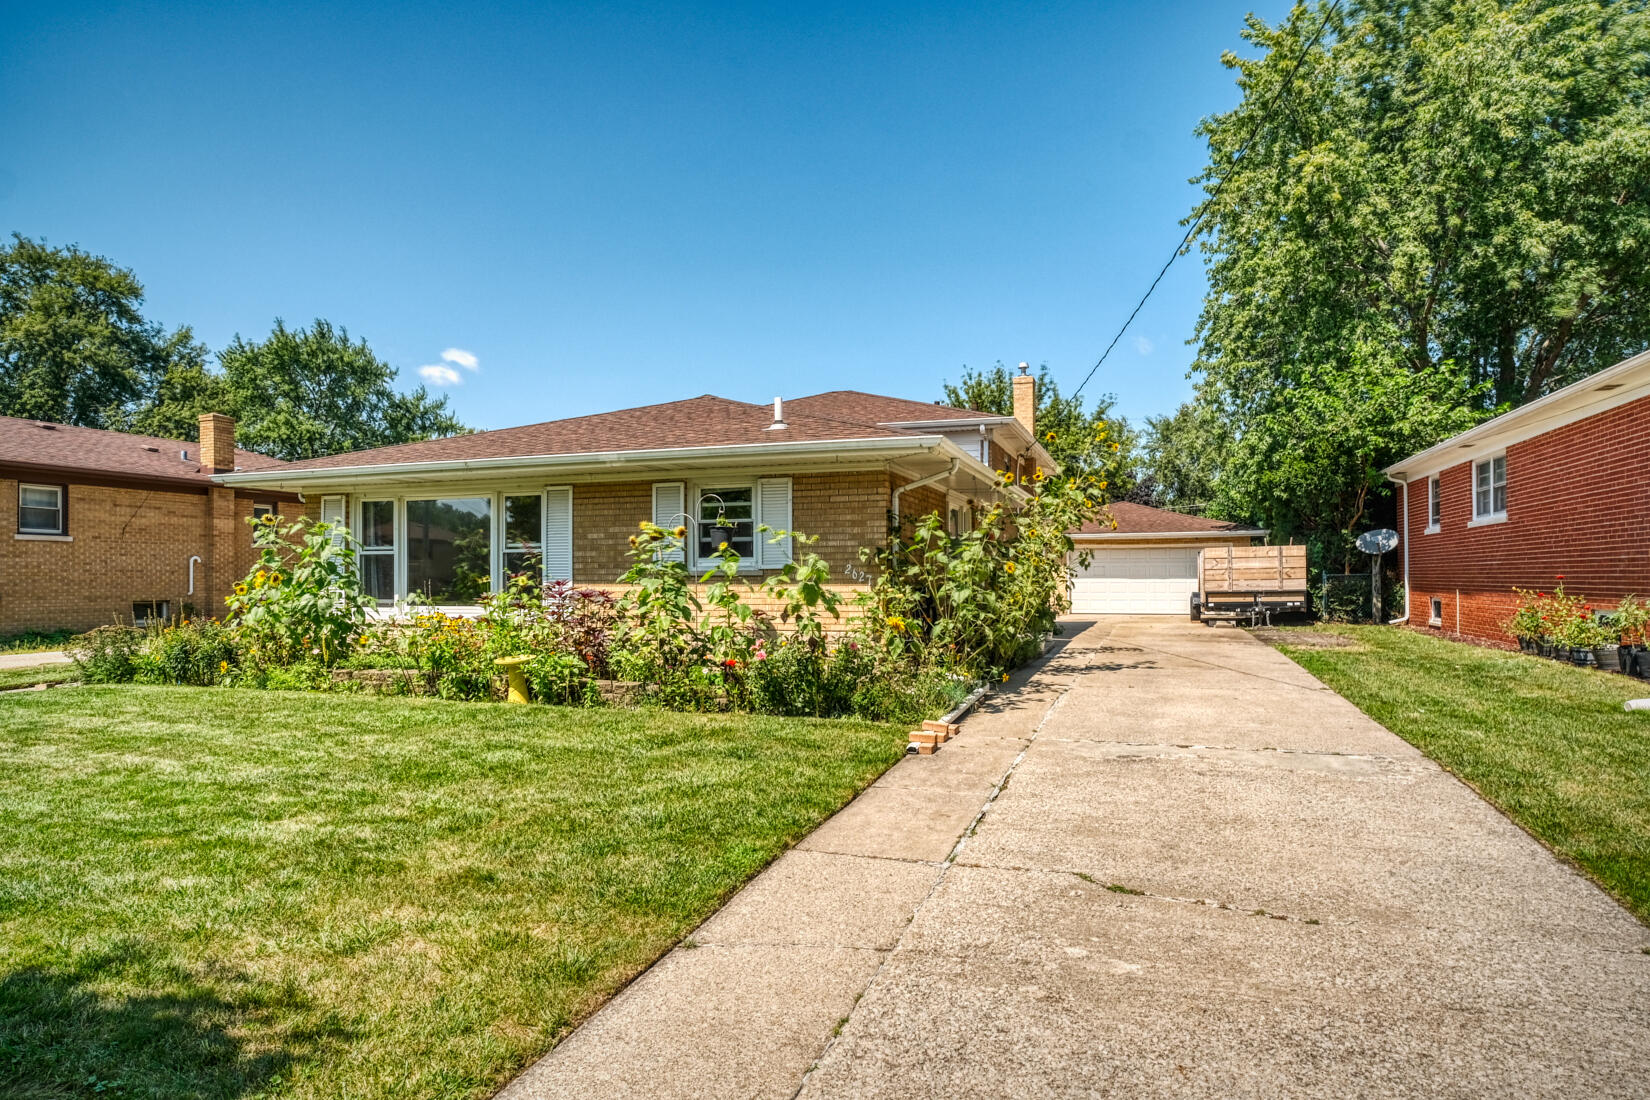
x=1136 y=582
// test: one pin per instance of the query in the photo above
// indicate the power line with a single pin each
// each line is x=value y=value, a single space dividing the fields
x=1191 y=230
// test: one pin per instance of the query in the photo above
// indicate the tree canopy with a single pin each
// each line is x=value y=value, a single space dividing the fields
x=301 y=393
x=1066 y=429
x=1444 y=214
x=75 y=347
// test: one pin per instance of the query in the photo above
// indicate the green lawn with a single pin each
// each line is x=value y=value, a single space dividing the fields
x=1548 y=743
x=222 y=893
x=46 y=674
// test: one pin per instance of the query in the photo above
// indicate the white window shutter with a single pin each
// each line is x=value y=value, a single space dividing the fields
x=773 y=509
x=669 y=505
x=332 y=511
x=558 y=533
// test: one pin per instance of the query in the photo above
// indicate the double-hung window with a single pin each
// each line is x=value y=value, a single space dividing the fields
x=524 y=537
x=726 y=515
x=377 y=552
x=1435 y=505
x=41 y=510
x=1489 y=488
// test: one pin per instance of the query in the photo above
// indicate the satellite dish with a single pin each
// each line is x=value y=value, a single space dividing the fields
x=1378 y=542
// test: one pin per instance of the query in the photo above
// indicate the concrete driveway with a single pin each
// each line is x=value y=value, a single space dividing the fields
x=1170 y=862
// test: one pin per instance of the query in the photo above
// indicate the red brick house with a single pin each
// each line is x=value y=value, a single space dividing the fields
x=96 y=525
x=1558 y=486
x=448 y=519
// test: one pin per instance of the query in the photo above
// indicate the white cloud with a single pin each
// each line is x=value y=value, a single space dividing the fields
x=437 y=374
x=465 y=359
x=1142 y=345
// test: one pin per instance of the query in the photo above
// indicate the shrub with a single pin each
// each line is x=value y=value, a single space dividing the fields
x=980 y=602
x=108 y=654
x=194 y=653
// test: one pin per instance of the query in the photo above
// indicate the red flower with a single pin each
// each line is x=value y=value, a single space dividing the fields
x=1561 y=576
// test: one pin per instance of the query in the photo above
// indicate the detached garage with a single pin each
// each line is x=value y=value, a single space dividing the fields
x=1147 y=563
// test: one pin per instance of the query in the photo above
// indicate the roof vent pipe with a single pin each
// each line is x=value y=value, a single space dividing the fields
x=778 y=416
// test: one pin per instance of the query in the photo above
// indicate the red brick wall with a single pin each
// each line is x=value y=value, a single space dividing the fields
x=1578 y=504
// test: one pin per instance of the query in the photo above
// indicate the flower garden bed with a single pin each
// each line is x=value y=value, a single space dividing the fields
x=945 y=613
x=1566 y=627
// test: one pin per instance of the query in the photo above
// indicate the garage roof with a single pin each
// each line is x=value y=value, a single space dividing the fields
x=1130 y=520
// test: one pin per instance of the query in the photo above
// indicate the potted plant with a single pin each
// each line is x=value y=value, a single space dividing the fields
x=1525 y=622
x=1606 y=641
x=1577 y=635
x=1631 y=618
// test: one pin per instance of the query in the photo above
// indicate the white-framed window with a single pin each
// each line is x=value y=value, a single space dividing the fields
x=524 y=535
x=449 y=551
x=725 y=514
x=1489 y=488
x=42 y=510
x=1435 y=504
x=1436 y=612
x=259 y=511
x=375 y=557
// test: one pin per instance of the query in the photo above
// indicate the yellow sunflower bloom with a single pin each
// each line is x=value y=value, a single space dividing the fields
x=240 y=590
x=1009 y=567
x=680 y=532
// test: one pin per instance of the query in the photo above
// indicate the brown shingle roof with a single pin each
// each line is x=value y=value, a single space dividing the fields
x=706 y=421
x=1140 y=519
x=93 y=450
x=871 y=408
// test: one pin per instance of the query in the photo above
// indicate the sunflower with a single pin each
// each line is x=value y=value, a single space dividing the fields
x=1009 y=568
x=896 y=624
x=240 y=589
x=1049 y=438
x=680 y=532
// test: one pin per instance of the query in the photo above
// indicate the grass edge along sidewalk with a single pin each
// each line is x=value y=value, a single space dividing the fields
x=236 y=894
x=1546 y=743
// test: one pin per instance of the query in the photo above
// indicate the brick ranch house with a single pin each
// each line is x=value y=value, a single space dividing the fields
x=1558 y=486
x=448 y=519
x=106 y=525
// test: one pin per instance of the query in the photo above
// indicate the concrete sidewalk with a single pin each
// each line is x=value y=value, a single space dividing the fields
x=34 y=660
x=1188 y=869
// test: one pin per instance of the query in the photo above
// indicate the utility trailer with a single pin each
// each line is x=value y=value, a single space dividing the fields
x=1249 y=583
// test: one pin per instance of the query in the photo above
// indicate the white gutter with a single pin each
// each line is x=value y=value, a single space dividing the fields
x=1185 y=536
x=317 y=475
x=1405 y=539
x=893 y=502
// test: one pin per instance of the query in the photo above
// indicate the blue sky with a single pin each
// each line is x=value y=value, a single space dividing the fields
x=609 y=205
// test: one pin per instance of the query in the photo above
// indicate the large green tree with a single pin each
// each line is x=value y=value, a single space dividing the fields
x=75 y=347
x=300 y=393
x=1067 y=429
x=1437 y=201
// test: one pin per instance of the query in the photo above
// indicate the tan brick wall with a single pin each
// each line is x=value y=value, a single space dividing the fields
x=127 y=545
x=604 y=518
x=846 y=510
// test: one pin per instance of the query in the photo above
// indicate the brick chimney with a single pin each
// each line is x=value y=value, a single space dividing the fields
x=218 y=442
x=1025 y=400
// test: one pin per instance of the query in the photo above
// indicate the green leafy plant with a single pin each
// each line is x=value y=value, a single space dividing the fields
x=303 y=598
x=981 y=602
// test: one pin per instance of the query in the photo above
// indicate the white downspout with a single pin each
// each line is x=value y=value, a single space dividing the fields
x=1405 y=540
x=193 y=558
x=893 y=504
